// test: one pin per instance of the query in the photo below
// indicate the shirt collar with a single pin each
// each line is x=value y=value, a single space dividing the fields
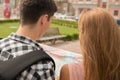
x=24 y=39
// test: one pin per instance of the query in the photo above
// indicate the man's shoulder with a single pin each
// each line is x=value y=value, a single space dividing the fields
x=4 y=41
x=5 y=38
x=43 y=70
x=43 y=65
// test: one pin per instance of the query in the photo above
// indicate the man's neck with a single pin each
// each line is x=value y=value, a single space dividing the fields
x=28 y=32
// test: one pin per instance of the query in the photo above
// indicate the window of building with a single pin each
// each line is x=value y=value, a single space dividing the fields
x=116 y=13
x=104 y=5
x=88 y=0
x=104 y=0
x=1 y=1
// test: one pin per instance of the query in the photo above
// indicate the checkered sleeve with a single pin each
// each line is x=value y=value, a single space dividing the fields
x=44 y=70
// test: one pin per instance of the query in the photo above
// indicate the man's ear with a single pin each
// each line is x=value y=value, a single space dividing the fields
x=43 y=19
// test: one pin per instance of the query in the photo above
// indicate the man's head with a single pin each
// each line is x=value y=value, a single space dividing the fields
x=37 y=14
x=32 y=10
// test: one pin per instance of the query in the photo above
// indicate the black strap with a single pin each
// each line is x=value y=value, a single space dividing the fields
x=10 y=69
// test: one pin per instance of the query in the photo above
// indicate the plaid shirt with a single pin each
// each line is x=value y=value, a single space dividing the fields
x=16 y=45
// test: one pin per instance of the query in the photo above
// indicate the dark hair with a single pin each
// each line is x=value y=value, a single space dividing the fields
x=31 y=10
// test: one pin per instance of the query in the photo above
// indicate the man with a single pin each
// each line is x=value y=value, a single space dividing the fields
x=35 y=19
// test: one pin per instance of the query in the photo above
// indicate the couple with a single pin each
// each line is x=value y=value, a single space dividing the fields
x=99 y=39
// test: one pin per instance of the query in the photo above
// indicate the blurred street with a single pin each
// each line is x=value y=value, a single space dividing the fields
x=73 y=46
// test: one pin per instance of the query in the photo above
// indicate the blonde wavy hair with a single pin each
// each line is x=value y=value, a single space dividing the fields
x=100 y=45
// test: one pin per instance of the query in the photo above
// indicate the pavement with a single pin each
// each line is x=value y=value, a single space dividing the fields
x=73 y=46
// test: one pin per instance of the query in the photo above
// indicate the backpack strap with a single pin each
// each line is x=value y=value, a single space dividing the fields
x=10 y=69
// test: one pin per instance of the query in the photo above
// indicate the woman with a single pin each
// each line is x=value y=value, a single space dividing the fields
x=100 y=45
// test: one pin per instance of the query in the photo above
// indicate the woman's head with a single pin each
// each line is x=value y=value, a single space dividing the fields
x=100 y=40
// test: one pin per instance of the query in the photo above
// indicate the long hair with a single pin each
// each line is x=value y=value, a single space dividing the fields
x=100 y=45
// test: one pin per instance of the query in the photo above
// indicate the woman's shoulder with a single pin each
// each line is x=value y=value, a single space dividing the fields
x=64 y=74
x=72 y=71
x=76 y=71
x=75 y=65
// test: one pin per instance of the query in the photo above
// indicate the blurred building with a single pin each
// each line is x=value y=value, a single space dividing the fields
x=113 y=6
x=1 y=8
x=75 y=7
x=65 y=7
x=11 y=4
x=70 y=7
